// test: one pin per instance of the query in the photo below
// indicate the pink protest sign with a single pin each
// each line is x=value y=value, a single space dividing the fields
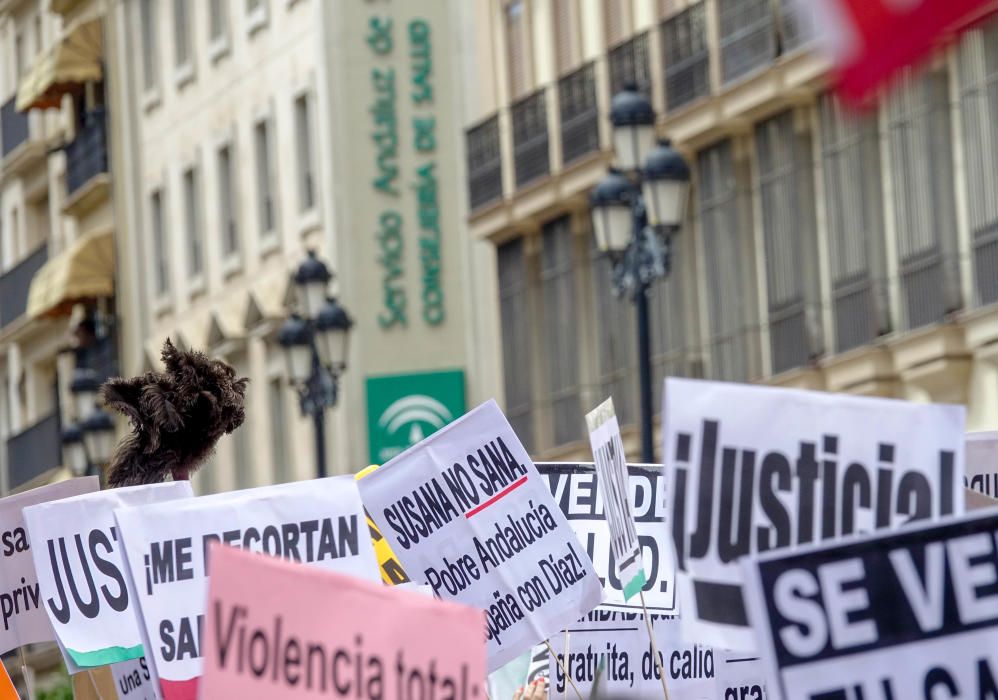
x=280 y=629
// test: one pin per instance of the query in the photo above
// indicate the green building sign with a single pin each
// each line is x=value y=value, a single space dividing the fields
x=402 y=409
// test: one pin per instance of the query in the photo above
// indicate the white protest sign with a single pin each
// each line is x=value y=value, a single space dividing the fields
x=910 y=614
x=466 y=511
x=614 y=645
x=319 y=522
x=760 y=468
x=608 y=455
x=982 y=463
x=24 y=619
x=81 y=573
x=579 y=494
x=132 y=680
x=740 y=676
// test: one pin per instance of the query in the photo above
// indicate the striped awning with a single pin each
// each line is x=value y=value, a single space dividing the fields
x=64 y=67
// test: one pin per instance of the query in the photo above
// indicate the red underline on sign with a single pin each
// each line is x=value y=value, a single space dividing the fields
x=509 y=489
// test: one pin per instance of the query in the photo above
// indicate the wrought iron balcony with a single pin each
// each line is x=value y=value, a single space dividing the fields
x=14 y=285
x=86 y=155
x=579 y=114
x=628 y=65
x=484 y=163
x=33 y=451
x=14 y=127
x=686 y=56
x=530 y=138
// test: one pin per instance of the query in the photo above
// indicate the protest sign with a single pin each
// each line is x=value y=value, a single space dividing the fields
x=982 y=463
x=615 y=646
x=81 y=572
x=608 y=455
x=24 y=619
x=7 y=689
x=578 y=492
x=760 y=468
x=277 y=629
x=466 y=511
x=740 y=676
x=392 y=572
x=319 y=522
x=911 y=614
x=133 y=681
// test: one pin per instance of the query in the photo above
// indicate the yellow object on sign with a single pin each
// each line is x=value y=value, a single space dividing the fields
x=392 y=572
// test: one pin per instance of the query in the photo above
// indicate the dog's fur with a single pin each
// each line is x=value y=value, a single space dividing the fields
x=177 y=416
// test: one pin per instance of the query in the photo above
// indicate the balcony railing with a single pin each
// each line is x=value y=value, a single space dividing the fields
x=484 y=163
x=530 y=138
x=579 y=114
x=14 y=285
x=686 y=56
x=14 y=128
x=86 y=155
x=628 y=64
x=33 y=452
x=748 y=36
x=855 y=313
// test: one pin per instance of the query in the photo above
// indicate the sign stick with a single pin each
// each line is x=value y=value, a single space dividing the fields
x=564 y=695
x=654 y=649
x=90 y=675
x=561 y=664
x=25 y=674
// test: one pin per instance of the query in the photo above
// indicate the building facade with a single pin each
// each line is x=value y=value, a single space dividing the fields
x=56 y=228
x=256 y=130
x=822 y=249
x=57 y=266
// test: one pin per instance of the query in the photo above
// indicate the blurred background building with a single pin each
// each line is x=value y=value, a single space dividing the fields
x=823 y=250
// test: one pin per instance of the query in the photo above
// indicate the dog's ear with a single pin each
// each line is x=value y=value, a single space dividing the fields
x=123 y=396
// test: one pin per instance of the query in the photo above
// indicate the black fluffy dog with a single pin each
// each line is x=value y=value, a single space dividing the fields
x=177 y=416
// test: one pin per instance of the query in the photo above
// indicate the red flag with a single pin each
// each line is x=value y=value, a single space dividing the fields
x=870 y=40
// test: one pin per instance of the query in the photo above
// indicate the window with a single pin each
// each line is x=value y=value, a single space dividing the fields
x=256 y=14
x=748 y=36
x=150 y=66
x=978 y=56
x=616 y=354
x=514 y=311
x=39 y=42
x=20 y=57
x=192 y=223
x=671 y=339
x=484 y=163
x=566 y=34
x=579 y=114
x=218 y=20
x=850 y=164
x=280 y=462
x=306 y=167
x=265 y=178
x=182 y=32
x=727 y=253
x=628 y=64
x=786 y=200
x=227 y=202
x=531 y=158
x=924 y=210
x=161 y=263
x=687 y=59
x=559 y=329
x=516 y=48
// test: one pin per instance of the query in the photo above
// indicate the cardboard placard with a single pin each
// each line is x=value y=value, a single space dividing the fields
x=466 y=512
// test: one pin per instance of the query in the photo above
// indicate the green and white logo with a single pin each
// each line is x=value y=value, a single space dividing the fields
x=402 y=409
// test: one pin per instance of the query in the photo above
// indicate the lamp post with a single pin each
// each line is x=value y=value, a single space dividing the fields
x=87 y=443
x=314 y=338
x=637 y=208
